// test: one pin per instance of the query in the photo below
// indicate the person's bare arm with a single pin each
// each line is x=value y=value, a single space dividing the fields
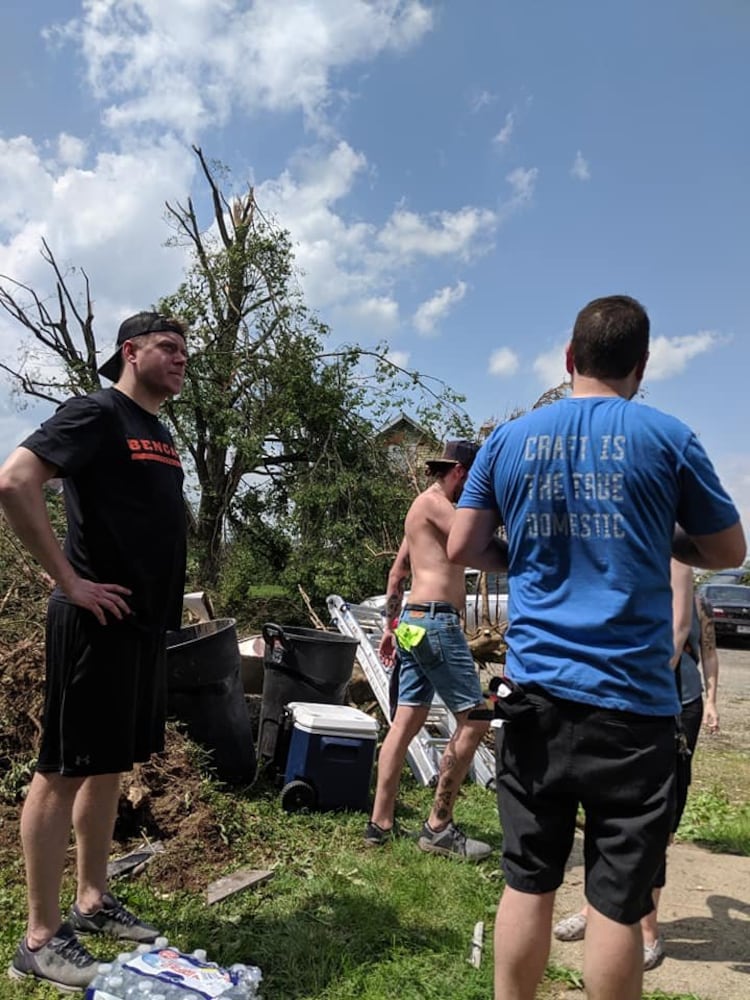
x=473 y=541
x=716 y=551
x=681 y=578
x=22 y=478
x=394 y=598
x=396 y=585
x=710 y=665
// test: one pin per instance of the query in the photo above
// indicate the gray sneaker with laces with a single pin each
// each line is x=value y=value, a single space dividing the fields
x=112 y=918
x=453 y=843
x=62 y=961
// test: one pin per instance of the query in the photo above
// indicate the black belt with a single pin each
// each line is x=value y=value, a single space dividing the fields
x=434 y=607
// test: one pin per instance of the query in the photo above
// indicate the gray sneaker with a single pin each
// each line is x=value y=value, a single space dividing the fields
x=377 y=836
x=453 y=843
x=112 y=918
x=653 y=955
x=62 y=961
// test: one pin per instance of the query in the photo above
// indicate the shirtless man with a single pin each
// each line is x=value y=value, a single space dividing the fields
x=434 y=657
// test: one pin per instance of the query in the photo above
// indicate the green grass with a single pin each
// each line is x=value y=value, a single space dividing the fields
x=717 y=814
x=713 y=821
x=338 y=920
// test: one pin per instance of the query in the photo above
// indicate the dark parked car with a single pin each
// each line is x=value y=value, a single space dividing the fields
x=730 y=609
x=741 y=575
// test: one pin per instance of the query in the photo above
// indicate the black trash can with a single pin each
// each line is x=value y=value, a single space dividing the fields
x=300 y=664
x=204 y=691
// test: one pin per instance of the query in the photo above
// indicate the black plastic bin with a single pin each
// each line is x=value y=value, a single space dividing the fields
x=300 y=664
x=204 y=691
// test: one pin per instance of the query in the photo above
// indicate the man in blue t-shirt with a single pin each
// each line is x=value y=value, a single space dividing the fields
x=589 y=490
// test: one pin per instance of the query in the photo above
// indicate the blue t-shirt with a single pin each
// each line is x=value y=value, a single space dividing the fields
x=589 y=490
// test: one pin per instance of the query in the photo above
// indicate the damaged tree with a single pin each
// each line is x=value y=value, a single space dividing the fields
x=280 y=430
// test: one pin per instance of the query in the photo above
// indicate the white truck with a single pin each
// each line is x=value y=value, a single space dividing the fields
x=497 y=591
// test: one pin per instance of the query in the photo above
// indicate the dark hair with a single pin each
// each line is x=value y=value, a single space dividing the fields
x=610 y=337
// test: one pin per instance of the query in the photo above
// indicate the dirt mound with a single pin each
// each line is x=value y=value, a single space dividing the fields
x=167 y=800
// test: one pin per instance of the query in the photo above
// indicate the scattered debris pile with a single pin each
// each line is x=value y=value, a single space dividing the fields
x=167 y=799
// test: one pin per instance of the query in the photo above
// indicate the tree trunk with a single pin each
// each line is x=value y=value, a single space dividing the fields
x=208 y=536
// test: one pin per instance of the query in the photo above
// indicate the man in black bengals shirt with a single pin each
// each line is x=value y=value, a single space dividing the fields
x=119 y=583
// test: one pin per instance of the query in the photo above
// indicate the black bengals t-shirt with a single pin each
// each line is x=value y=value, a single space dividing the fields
x=123 y=500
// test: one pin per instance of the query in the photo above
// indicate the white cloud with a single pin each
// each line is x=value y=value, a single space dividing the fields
x=330 y=252
x=503 y=137
x=504 y=362
x=523 y=183
x=734 y=472
x=437 y=235
x=399 y=358
x=106 y=220
x=24 y=180
x=71 y=150
x=181 y=66
x=549 y=366
x=380 y=312
x=352 y=266
x=429 y=313
x=580 y=169
x=187 y=63
x=669 y=356
x=347 y=264
x=481 y=100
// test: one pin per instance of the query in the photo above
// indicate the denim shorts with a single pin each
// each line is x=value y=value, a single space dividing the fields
x=441 y=662
x=620 y=767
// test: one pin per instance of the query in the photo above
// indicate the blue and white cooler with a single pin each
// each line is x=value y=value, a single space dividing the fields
x=330 y=759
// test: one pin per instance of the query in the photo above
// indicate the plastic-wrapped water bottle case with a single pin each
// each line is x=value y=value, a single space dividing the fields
x=158 y=972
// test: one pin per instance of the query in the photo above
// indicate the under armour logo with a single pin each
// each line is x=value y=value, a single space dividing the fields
x=82 y=761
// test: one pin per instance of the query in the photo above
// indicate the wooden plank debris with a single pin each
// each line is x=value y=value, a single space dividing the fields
x=477 y=944
x=134 y=862
x=227 y=885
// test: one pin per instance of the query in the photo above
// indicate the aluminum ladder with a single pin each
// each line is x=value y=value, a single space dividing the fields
x=359 y=621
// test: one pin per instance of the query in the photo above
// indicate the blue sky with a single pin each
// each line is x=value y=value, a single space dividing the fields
x=459 y=178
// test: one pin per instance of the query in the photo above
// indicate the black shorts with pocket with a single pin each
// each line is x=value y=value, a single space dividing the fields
x=105 y=696
x=620 y=767
x=691 y=719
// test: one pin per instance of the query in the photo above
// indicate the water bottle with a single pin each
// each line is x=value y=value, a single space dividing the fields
x=113 y=984
x=248 y=981
x=138 y=989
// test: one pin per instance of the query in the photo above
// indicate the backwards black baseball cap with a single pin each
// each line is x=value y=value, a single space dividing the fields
x=137 y=326
x=454 y=453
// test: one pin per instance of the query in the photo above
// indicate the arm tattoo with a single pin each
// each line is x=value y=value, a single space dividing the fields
x=708 y=630
x=394 y=600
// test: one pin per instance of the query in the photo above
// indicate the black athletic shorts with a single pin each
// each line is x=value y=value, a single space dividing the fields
x=619 y=767
x=691 y=718
x=105 y=697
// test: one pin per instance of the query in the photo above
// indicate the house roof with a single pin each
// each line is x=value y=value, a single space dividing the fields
x=401 y=422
